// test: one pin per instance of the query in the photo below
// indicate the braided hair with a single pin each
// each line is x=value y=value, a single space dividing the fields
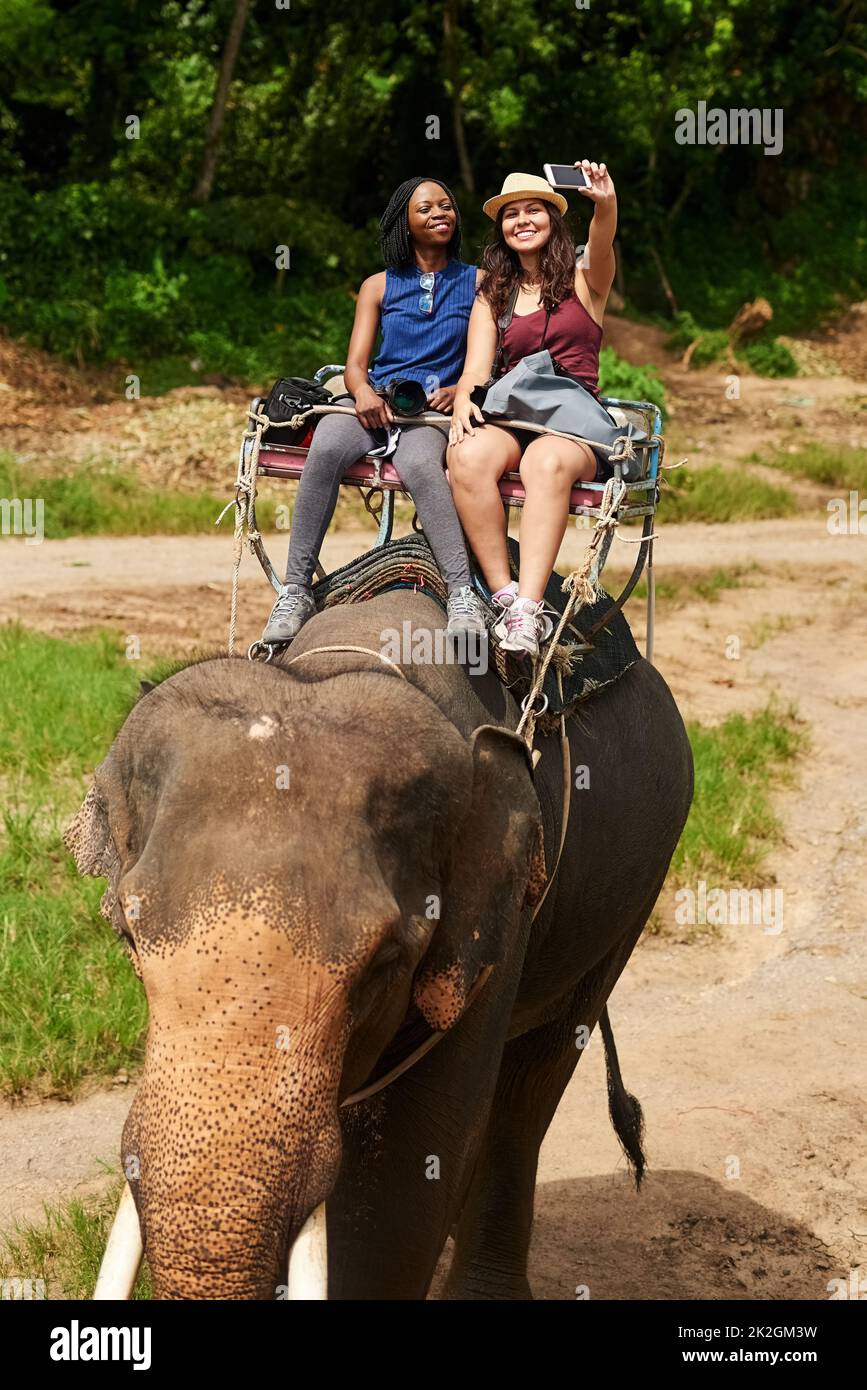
x=394 y=239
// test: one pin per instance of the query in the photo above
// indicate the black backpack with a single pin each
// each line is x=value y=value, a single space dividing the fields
x=289 y=396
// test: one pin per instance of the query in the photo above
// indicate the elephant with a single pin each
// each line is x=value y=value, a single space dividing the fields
x=318 y=865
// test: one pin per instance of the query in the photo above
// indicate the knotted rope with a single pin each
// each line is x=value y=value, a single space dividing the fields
x=244 y=500
x=582 y=588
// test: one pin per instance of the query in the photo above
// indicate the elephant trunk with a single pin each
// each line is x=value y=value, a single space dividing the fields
x=233 y=1154
x=197 y=1267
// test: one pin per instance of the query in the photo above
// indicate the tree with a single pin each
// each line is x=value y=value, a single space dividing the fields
x=205 y=185
x=451 y=47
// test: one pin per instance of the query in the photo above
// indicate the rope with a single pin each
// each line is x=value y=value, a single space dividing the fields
x=415 y=1056
x=245 y=503
x=621 y=451
x=567 y=799
x=240 y=518
x=581 y=590
x=346 y=647
x=374 y=509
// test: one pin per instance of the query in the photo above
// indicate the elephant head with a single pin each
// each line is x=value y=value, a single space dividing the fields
x=292 y=885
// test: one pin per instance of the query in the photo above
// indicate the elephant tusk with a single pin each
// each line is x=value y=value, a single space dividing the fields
x=308 y=1260
x=123 y=1253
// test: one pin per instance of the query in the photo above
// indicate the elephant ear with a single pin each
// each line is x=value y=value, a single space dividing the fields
x=497 y=870
x=89 y=840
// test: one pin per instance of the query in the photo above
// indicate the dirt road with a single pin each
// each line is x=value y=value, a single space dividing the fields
x=173 y=592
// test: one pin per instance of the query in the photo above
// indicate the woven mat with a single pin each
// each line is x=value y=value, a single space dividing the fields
x=409 y=564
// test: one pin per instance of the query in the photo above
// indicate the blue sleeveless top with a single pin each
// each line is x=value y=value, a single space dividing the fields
x=427 y=348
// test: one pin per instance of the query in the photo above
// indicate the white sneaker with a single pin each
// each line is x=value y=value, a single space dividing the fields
x=523 y=626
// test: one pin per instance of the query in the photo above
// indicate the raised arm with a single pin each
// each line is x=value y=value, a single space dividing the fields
x=598 y=264
x=371 y=409
x=481 y=347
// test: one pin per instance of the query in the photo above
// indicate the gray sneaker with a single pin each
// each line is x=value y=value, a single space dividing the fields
x=466 y=612
x=289 y=614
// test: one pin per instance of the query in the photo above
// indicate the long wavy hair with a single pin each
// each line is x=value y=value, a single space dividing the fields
x=503 y=270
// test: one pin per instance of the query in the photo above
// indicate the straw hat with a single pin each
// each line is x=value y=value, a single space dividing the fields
x=523 y=186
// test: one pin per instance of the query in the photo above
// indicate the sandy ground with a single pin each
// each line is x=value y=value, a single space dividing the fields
x=745 y=1049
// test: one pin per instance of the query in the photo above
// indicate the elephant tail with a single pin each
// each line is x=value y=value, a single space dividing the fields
x=625 y=1111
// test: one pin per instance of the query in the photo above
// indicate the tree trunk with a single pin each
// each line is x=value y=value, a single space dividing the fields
x=205 y=185
x=664 y=280
x=450 y=48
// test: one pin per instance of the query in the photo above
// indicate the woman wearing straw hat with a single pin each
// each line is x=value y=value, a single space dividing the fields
x=531 y=255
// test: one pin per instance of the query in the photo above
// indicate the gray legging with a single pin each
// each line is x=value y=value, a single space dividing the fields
x=341 y=440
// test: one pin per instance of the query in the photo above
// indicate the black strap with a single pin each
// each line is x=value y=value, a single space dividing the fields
x=500 y=358
x=502 y=325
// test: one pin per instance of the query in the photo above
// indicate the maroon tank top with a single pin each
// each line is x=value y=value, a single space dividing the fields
x=573 y=339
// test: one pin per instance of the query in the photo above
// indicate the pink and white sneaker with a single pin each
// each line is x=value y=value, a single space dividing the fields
x=523 y=625
x=505 y=597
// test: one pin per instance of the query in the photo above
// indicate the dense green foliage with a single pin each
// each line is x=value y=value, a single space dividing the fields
x=107 y=251
x=619 y=379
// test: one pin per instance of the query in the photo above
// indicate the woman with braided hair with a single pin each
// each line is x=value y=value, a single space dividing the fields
x=421 y=305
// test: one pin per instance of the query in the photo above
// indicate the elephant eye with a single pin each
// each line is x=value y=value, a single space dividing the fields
x=127 y=937
x=121 y=919
x=387 y=955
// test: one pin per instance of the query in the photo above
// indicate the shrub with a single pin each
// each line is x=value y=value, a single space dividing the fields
x=619 y=378
x=769 y=358
x=711 y=343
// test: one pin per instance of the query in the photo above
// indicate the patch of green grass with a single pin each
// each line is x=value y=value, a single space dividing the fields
x=66 y=1248
x=70 y=1003
x=60 y=704
x=832 y=465
x=766 y=628
x=732 y=823
x=681 y=587
x=101 y=500
x=720 y=494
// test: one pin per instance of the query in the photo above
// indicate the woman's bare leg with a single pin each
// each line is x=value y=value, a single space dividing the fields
x=475 y=467
x=550 y=468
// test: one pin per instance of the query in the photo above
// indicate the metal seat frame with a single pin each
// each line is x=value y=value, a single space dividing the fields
x=376 y=476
